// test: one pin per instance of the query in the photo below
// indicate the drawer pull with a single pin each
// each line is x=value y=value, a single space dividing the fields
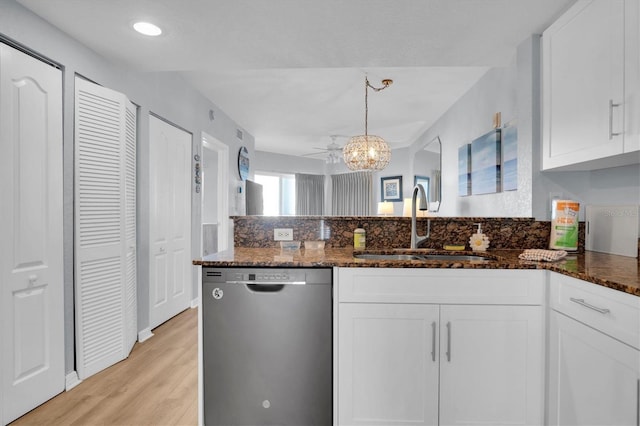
x=587 y=305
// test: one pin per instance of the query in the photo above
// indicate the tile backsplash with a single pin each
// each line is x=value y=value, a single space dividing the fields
x=395 y=232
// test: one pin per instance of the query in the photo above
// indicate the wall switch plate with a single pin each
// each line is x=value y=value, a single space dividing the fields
x=283 y=234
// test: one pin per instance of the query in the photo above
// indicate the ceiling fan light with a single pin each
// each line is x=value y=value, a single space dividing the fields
x=366 y=152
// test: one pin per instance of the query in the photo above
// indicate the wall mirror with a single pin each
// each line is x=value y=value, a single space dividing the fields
x=427 y=163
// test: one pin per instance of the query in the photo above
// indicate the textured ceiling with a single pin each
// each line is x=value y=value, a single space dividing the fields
x=291 y=72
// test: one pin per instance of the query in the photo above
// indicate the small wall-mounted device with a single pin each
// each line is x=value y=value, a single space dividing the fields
x=197 y=173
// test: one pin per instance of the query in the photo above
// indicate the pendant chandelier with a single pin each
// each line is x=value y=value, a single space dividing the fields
x=367 y=152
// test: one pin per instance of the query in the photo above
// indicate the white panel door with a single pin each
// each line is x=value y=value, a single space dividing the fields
x=388 y=364
x=169 y=221
x=31 y=277
x=491 y=365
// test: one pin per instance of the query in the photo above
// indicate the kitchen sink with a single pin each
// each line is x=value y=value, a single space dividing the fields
x=371 y=256
x=424 y=257
x=454 y=257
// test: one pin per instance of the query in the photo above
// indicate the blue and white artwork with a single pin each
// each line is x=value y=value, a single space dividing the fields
x=485 y=164
x=510 y=157
x=464 y=170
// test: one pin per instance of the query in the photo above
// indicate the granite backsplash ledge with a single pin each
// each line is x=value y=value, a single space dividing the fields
x=395 y=232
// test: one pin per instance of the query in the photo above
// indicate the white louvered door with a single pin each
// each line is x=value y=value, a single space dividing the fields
x=105 y=229
x=131 y=300
x=31 y=241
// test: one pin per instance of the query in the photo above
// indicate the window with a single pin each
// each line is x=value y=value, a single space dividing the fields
x=278 y=192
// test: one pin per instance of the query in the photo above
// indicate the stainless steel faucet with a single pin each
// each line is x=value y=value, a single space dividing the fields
x=415 y=238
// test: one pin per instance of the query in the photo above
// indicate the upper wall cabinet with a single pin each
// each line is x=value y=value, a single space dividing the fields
x=590 y=87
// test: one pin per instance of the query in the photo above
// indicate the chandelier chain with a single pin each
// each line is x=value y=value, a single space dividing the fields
x=385 y=83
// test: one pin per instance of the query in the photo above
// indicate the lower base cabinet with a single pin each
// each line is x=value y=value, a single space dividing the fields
x=594 y=355
x=594 y=378
x=491 y=366
x=387 y=372
x=439 y=364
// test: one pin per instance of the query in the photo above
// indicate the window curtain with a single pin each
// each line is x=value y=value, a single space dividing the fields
x=352 y=194
x=309 y=194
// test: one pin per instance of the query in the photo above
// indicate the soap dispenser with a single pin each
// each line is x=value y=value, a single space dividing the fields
x=479 y=241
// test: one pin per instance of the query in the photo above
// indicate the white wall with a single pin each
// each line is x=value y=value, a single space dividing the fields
x=164 y=94
x=619 y=185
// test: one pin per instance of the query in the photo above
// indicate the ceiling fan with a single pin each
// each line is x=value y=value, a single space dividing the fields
x=333 y=151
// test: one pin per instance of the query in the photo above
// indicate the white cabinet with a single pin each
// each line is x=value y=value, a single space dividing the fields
x=388 y=364
x=491 y=365
x=415 y=346
x=594 y=378
x=590 y=85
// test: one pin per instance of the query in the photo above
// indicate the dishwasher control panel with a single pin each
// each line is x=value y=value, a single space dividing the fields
x=260 y=276
x=266 y=275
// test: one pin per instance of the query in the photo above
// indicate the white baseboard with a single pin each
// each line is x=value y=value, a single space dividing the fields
x=195 y=303
x=71 y=381
x=145 y=334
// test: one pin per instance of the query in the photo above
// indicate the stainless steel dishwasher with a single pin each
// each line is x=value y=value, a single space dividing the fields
x=267 y=346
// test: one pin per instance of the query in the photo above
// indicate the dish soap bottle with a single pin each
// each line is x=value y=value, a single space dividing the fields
x=359 y=238
x=479 y=241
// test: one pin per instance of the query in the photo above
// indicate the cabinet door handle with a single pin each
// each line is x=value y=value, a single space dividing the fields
x=590 y=306
x=449 y=341
x=611 y=107
x=433 y=341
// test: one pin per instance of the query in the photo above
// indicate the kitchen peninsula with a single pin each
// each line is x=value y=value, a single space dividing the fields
x=497 y=340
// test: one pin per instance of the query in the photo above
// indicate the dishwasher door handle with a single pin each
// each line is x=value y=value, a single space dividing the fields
x=265 y=288
x=243 y=282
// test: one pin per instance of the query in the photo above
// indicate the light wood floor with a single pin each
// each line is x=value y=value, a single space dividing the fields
x=156 y=385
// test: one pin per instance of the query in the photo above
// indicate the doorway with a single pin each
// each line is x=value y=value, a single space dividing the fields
x=215 y=196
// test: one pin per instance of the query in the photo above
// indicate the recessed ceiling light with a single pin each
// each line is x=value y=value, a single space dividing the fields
x=147 y=28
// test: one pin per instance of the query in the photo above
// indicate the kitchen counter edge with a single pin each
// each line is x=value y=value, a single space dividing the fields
x=612 y=271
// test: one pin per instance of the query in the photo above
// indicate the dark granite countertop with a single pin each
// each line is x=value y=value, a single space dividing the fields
x=616 y=272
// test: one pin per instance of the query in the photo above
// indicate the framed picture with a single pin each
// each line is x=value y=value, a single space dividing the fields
x=464 y=170
x=510 y=156
x=485 y=163
x=391 y=188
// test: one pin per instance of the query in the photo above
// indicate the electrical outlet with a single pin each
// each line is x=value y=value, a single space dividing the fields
x=283 y=234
